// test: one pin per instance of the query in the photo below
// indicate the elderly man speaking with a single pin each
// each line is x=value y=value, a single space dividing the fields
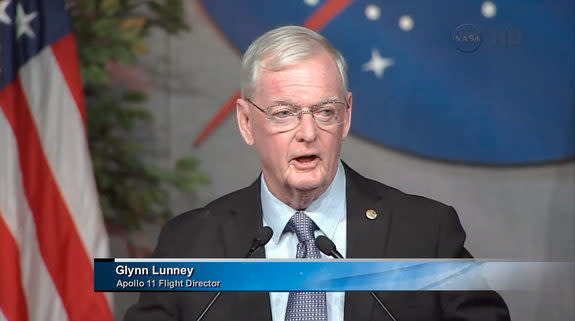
x=296 y=110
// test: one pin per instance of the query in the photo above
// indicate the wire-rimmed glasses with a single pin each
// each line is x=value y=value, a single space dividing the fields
x=286 y=116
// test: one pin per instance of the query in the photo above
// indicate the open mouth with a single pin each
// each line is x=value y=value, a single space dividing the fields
x=306 y=160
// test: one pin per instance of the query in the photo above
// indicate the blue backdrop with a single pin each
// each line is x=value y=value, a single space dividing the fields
x=467 y=81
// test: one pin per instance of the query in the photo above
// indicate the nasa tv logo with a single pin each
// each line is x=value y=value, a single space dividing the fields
x=469 y=38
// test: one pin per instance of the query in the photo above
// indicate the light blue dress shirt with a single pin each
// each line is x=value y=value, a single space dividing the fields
x=329 y=214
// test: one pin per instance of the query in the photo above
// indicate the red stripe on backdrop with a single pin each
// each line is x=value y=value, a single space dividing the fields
x=60 y=244
x=12 y=297
x=65 y=52
x=218 y=118
x=326 y=13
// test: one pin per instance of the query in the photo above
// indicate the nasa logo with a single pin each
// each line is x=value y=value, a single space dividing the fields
x=467 y=38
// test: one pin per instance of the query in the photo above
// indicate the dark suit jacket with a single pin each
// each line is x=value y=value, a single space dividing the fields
x=407 y=226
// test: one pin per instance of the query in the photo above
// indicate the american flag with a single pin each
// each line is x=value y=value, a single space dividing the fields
x=475 y=81
x=50 y=221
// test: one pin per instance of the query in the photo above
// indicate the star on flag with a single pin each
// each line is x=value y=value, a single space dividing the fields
x=23 y=21
x=4 y=17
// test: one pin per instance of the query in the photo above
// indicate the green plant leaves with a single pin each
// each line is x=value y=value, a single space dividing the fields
x=131 y=190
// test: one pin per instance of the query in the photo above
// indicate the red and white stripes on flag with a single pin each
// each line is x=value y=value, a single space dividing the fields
x=51 y=226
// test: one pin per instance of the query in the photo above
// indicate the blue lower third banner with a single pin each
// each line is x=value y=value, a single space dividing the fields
x=324 y=275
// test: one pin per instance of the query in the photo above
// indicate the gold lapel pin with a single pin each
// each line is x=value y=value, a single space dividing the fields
x=371 y=214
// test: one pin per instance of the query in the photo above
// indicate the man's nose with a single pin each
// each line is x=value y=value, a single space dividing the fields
x=307 y=129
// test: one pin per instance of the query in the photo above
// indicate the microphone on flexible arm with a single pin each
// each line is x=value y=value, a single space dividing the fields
x=263 y=236
x=327 y=247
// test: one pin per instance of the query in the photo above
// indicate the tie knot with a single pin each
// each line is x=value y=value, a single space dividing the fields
x=302 y=226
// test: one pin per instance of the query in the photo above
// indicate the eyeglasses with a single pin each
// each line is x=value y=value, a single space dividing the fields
x=286 y=116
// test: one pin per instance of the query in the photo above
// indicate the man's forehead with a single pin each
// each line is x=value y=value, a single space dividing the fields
x=282 y=84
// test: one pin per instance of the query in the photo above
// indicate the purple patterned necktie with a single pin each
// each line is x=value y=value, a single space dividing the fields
x=305 y=306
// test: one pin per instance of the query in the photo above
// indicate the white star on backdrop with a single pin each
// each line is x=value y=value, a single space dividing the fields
x=372 y=12
x=488 y=9
x=311 y=3
x=4 y=17
x=406 y=23
x=377 y=63
x=23 y=20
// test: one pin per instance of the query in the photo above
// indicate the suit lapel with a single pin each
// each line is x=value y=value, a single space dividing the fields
x=243 y=220
x=366 y=236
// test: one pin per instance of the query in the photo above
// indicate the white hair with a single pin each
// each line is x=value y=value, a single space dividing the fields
x=282 y=47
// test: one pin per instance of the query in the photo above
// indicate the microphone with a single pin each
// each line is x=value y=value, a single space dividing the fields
x=327 y=247
x=262 y=238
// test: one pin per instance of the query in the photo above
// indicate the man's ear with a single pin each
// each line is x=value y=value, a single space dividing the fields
x=244 y=120
x=349 y=100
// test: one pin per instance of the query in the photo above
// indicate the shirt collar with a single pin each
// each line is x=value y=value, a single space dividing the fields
x=326 y=211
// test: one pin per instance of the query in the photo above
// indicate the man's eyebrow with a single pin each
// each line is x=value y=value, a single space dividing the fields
x=330 y=99
x=282 y=101
x=276 y=102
